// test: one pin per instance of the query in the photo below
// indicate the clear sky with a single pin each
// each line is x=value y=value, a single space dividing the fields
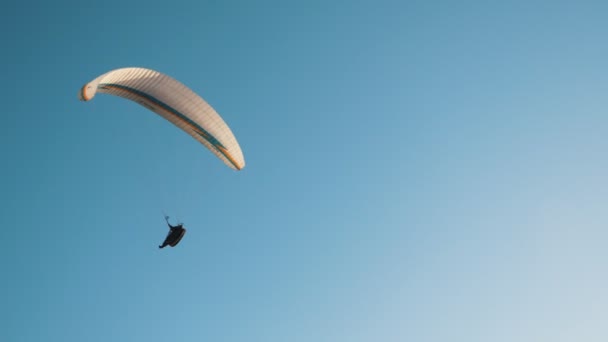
x=416 y=171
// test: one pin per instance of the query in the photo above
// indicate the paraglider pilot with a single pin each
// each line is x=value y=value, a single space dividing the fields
x=176 y=233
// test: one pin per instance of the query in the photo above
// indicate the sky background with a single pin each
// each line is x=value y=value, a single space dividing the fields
x=416 y=171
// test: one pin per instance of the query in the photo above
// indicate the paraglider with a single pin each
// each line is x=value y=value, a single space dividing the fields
x=173 y=101
x=175 y=235
x=179 y=105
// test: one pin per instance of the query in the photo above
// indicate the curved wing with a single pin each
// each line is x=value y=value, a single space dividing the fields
x=173 y=101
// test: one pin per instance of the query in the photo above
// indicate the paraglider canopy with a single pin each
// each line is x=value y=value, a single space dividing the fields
x=173 y=101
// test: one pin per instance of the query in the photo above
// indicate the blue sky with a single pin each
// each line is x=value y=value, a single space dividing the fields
x=416 y=171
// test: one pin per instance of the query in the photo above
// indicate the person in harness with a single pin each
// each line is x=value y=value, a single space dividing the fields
x=176 y=233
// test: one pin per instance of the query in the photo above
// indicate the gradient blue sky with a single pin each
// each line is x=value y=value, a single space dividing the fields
x=416 y=171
